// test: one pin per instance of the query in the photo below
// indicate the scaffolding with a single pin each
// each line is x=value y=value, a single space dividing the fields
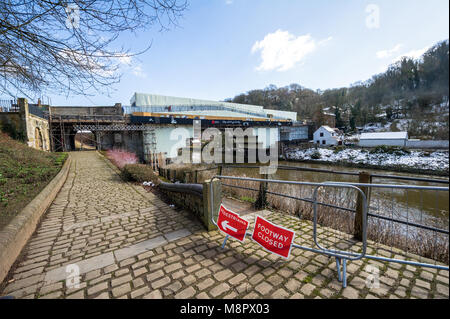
x=57 y=133
x=63 y=129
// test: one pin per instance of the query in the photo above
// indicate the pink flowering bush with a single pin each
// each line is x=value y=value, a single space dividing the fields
x=121 y=158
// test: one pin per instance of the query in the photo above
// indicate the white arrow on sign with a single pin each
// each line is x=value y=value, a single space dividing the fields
x=225 y=226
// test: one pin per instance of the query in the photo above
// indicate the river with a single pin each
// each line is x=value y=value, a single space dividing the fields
x=424 y=207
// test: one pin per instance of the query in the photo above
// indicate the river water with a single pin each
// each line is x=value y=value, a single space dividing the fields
x=424 y=207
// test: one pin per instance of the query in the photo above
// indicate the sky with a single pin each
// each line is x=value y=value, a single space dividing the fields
x=222 y=48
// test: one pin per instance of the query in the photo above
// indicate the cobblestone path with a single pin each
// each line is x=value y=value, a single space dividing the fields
x=127 y=243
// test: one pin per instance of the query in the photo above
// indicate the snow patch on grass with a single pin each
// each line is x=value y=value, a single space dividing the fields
x=437 y=161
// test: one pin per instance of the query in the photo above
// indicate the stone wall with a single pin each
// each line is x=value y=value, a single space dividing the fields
x=15 y=235
x=81 y=110
x=25 y=126
x=193 y=203
x=38 y=133
x=199 y=205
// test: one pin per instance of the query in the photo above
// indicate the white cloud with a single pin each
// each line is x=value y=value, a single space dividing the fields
x=137 y=71
x=131 y=65
x=414 y=54
x=388 y=53
x=281 y=50
x=124 y=59
x=322 y=42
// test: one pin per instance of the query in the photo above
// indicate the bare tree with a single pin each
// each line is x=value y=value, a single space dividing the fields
x=68 y=47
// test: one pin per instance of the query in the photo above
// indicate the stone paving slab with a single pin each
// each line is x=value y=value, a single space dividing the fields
x=84 y=266
x=139 y=247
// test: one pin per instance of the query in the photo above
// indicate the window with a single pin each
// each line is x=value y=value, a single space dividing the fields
x=324 y=142
x=318 y=142
x=321 y=134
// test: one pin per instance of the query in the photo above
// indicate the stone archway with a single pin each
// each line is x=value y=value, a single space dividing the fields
x=38 y=142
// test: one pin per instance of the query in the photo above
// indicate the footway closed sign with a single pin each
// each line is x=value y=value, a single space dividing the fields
x=276 y=239
x=231 y=224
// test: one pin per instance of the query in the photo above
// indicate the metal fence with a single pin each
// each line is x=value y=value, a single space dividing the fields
x=412 y=231
x=383 y=177
x=8 y=106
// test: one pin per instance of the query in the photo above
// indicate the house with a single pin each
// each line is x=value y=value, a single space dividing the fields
x=326 y=136
x=383 y=138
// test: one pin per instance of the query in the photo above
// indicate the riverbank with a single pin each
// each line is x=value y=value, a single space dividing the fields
x=417 y=162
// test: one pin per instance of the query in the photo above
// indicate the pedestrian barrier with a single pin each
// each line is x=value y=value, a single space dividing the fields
x=342 y=246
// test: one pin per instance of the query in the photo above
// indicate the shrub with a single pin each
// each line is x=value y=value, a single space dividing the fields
x=394 y=150
x=12 y=131
x=338 y=149
x=316 y=155
x=121 y=158
x=139 y=173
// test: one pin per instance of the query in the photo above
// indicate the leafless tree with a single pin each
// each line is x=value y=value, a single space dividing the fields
x=71 y=47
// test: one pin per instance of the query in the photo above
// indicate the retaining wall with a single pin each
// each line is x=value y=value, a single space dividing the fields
x=443 y=144
x=16 y=234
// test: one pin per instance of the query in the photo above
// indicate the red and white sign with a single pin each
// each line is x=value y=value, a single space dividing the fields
x=276 y=239
x=232 y=224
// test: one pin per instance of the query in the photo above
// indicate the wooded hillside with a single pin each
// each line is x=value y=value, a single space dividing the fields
x=413 y=90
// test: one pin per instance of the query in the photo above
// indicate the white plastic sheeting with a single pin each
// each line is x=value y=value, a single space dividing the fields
x=147 y=102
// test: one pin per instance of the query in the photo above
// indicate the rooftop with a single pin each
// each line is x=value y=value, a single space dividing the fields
x=384 y=136
x=142 y=102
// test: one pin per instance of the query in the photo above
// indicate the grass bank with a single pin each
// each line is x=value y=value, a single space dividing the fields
x=24 y=172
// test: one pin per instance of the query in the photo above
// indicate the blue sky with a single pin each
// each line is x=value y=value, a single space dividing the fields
x=226 y=47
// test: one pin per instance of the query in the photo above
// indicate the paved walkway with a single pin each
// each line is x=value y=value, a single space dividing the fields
x=126 y=243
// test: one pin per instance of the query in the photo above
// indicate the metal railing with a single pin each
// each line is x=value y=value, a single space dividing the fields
x=318 y=170
x=393 y=235
x=196 y=177
x=85 y=117
x=193 y=189
x=8 y=106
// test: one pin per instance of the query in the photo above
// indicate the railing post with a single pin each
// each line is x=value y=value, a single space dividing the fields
x=364 y=178
x=261 y=201
x=211 y=202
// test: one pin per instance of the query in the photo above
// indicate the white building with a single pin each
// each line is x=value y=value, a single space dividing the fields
x=326 y=136
x=383 y=138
